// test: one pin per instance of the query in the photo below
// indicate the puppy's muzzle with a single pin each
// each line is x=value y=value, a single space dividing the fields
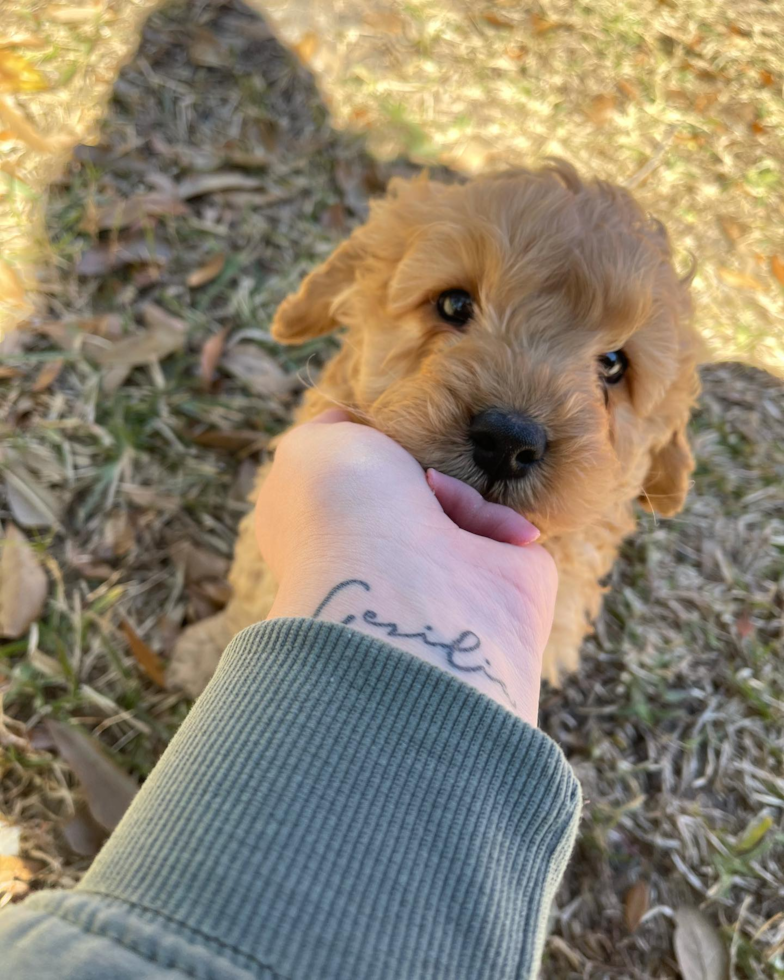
x=507 y=444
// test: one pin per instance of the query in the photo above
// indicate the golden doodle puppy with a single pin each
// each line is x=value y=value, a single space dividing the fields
x=525 y=332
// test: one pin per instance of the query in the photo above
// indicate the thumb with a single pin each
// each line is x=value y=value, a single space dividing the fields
x=331 y=415
x=471 y=512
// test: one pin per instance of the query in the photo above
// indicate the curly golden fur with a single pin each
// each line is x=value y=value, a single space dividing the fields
x=561 y=271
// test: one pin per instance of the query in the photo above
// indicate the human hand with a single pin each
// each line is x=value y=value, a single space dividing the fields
x=355 y=532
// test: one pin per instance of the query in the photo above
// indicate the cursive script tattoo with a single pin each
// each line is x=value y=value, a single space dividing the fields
x=458 y=652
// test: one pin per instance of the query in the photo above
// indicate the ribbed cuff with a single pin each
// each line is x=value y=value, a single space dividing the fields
x=336 y=808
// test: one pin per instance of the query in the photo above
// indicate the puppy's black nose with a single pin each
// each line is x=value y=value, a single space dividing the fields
x=506 y=444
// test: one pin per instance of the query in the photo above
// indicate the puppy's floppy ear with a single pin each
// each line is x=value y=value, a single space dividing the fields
x=310 y=312
x=667 y=481
x=315 y=308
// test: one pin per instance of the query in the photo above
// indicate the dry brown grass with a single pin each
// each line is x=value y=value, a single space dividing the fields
x=675 y=723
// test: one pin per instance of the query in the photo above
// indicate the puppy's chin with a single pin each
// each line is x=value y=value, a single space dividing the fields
x=554 y=504
x=528 y=496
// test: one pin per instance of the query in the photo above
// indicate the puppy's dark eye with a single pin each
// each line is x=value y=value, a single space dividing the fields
x=612 y=366
x=455 y=306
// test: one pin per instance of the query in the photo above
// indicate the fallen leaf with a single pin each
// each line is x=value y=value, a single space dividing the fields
x=211 y=353
x=108 y=325
x=31 y=504
x=164 y=335
x=698 y=947
x=360 y=116
x=636 y=904
x=7 y=372
x=151 y=498
x=146 y=275
x=733 y=230
x=223 y=180
x=208 y=51
x=767 y=78
x=600 y=109
x=121 y=214
x=628 y=89
x=740 y=280
x=497 y=20
x=258 y=371
x=744 y=626
x=739 y=31
x=306 y=47
x=777 y=268
x=232 y=440
x=207 y=272
x=157 y=319
x=73 y=333
x=90 y=569
x=83 y=834
x=757 y=128
x=146 y=657
x=115 y=377
x=118 y=535
x=542 y=25
x=517 y=52
x=198 y=564
x=754 y=833
x=116 y=255
x=47 y=375
x=108 y=790
x=705 y=100
x=18 y=75
x=23 y=584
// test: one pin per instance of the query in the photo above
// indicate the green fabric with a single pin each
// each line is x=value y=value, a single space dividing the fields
x=332 y=807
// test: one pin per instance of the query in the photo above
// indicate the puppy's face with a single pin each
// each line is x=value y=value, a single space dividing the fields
x=525 y=333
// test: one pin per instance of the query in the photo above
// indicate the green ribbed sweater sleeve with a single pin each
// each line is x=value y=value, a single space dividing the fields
x=332 y=808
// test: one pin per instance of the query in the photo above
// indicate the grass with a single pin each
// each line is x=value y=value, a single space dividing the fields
x=674 y=722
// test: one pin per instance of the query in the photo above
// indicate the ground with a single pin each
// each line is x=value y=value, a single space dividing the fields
x=127 y=463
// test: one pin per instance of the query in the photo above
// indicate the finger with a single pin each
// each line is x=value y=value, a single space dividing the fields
x=332 y=415
x=471 y=512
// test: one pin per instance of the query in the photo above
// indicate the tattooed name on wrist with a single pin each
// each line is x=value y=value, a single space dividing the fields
x=463 y=654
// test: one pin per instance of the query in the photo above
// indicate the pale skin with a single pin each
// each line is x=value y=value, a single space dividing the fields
x=355 y=532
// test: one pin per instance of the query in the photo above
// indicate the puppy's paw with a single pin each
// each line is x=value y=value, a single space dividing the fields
x=196 y=655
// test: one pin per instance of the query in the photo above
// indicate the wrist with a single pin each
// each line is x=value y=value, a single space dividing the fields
x=405 y=608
